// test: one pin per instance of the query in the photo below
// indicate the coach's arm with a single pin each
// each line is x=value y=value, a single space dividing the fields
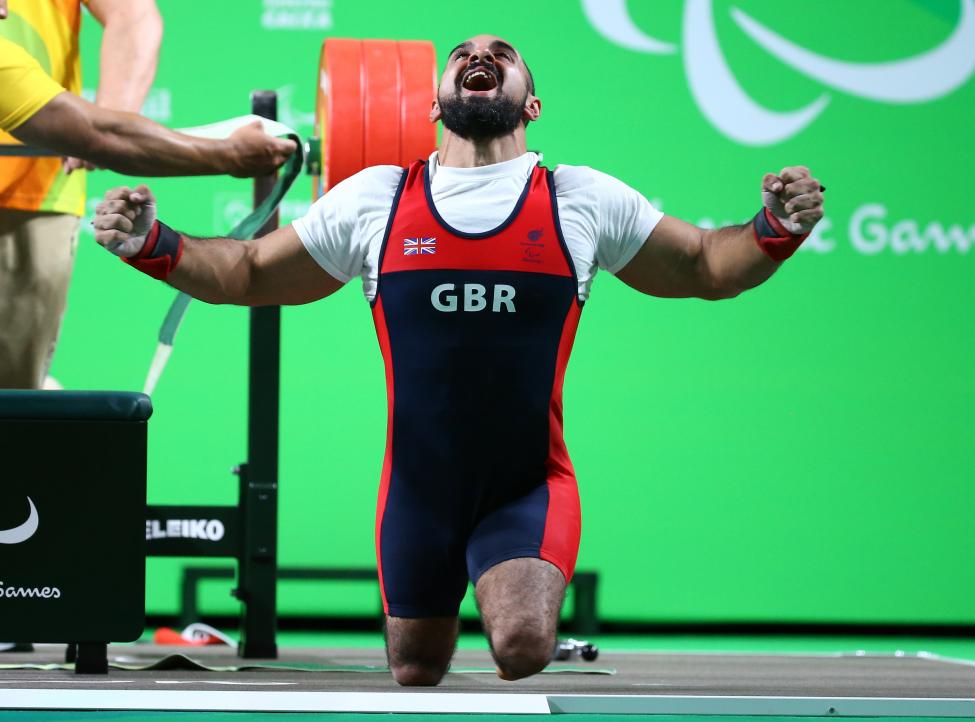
x=132 y=35
x=680 y=260
x=128 y=143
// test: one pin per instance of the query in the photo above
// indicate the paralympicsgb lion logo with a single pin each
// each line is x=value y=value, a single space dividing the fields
x=722 y=100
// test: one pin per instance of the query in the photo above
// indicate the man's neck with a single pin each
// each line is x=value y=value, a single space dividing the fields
x=459 y=152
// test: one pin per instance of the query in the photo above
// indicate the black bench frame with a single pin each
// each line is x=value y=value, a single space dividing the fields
x=252 y=525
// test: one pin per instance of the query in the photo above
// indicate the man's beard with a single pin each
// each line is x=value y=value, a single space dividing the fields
x=477 y=118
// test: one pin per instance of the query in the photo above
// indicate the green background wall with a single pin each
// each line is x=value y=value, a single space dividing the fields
x=803 y=452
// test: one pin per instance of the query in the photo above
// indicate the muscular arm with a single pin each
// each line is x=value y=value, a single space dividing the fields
x=129 y=52
x=272 y=270
x=680 y=260
x=128 y=143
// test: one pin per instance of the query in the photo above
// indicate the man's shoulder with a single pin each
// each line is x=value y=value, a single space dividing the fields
x=583 y=180
x=374 y=177
x=581 y=176
x=369 y=189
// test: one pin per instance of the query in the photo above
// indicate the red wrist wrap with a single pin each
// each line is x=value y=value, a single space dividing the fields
x=772 y=237
x=160 y=253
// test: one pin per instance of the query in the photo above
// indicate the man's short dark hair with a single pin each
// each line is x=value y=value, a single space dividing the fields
x=531 y=85
x=531 y=78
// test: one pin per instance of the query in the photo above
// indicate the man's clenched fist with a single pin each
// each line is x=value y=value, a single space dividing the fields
x=794 y=197
x=123 y=219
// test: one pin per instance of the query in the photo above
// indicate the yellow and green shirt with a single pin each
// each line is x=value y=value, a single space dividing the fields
x=26 y=87
x=48 y=31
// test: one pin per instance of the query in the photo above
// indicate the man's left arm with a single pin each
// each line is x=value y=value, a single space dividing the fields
x=132 y=35
x=680 y=260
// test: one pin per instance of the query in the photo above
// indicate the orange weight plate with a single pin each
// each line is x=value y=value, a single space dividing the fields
x=338 y=111
x=381 y=74
x=320 y=181
x=418 y=67
x=373 y=105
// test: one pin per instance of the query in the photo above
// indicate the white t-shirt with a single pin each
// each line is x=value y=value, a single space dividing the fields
x=604 y=221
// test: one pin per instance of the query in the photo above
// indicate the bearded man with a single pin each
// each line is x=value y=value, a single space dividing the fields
x=476 y=262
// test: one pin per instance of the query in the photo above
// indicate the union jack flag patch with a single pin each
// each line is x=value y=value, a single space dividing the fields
x=417 y=246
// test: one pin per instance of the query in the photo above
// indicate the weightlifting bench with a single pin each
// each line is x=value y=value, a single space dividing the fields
x=72 y=525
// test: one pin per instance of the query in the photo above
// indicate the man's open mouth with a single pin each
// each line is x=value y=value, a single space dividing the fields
x=479 y=79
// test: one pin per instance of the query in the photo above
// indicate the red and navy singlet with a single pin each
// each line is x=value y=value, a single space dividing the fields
x=475 y=330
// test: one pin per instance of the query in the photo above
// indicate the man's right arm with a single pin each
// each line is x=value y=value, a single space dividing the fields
x=130 y=144
x=275 y=269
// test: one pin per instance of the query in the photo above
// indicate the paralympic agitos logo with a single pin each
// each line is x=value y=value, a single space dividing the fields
x=22 y=532
x=721 y=98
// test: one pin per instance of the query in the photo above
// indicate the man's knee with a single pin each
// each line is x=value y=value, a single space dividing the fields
x=418 y=674
x=419 y=650
x=521 y=651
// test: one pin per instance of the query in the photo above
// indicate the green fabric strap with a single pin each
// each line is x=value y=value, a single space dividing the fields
x=243 y=231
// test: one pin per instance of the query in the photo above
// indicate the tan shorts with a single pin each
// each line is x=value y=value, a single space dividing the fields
x=36 y=255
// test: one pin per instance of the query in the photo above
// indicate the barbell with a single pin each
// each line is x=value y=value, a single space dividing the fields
x=372 y=103
x=372 y=107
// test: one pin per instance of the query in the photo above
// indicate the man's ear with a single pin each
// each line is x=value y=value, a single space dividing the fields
x=435 y=112
x=532 y=110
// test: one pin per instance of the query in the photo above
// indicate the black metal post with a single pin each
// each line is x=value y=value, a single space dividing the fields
x=91 y=658
x=259 y=476
x=586 y=618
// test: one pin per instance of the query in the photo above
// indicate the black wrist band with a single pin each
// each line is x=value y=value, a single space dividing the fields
x=160 y=253
x=162 y=241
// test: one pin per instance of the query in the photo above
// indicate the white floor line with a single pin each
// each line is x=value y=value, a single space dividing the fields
x=247 y=701
x=931 y=656
x=502 y=703
x=61 y=680
x=225 y=682
x=751 y=653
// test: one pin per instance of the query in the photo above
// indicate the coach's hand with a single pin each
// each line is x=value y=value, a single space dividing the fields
x=794 y=197
x=123 y=219
x=252 y=152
